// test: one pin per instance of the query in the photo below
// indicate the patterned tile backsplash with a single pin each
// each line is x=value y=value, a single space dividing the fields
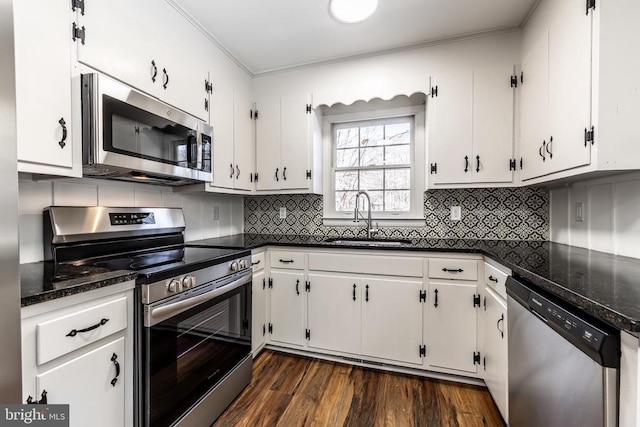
x=492 y=213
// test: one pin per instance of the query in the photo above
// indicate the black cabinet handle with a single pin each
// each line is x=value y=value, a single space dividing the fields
x=154 y=73
x=466 y=164
x=277 y=169
x=231 y=169
x=549 y=148
x=256 y=263
x=500 y=320
x=63 y=124
x=237 y=172
x=477 y=163
x=541 y=150
x=435 y=298
x=75 y=332
x=449 y=270
x=354 y=291
x=366 y=293
x=493 y=279
x=286 y=261
x=297 y=287
x=114 y=359
x=284 y=173
x=166 y=78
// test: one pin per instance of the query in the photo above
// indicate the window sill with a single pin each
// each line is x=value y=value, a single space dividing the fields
x=382 y=222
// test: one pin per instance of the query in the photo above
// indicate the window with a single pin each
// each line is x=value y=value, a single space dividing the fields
x=374 y=156
x=380 y=152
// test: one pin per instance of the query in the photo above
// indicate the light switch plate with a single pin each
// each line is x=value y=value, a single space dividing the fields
x=456 y=213
x=283 y=212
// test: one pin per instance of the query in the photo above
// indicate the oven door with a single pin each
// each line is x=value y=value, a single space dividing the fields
x=129 y=131
x=190 y=343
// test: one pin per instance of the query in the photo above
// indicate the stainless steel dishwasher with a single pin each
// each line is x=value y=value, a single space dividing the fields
x=563 y=364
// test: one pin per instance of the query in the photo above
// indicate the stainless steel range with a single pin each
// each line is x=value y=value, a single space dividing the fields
x=193 y=335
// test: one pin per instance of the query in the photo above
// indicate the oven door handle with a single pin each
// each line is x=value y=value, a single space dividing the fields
x=160 y=313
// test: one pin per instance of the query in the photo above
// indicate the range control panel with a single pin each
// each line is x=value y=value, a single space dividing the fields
x=132 y=218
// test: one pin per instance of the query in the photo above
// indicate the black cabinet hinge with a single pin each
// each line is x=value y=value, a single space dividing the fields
x=434 y=168
x=307 y=334
x=308 y=174
x=255 y=177
x=270 y=283
x=512 y=164
x=422 y=351
x=434 y=91
x=307 y=286
x=514 y=81
x=423 y=296
x=270 y=328
x=476 y=300
x=591 y=4
x=208 y=86
x=589 y=135
x=476 y=357
x=308 y=109
x=78 y=4
x=78 y=33
x=264 y=329
x=206 y=104
x=255 y=115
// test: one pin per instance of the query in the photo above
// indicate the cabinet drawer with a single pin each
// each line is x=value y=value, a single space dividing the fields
x=283 y=259
x=92 y=322
x=367 y=264
x=257 y=261
x=495 y=279
x=458 y=269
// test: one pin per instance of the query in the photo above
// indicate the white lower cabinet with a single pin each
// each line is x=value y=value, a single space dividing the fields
x=495 y=349
x=391 y=319
x=451 y=325
x=286 y=307
x=91 y=384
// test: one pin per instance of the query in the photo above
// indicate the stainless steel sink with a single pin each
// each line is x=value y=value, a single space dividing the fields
x=368 y=242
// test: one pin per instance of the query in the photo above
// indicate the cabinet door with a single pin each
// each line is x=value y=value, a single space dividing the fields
x=287 y=307
x=120 y=44
x=244 y=139
x=534 y=104
x=495 y=349
x=392 y=319
x=334 y=313
x=450 y=128
x=268 y=144
x=258 y=311
x=85 y=383
x=569 y=84
x=295 y=141
x=222 y=122
x=43 y=83
x=492 y=125
x=452 y=325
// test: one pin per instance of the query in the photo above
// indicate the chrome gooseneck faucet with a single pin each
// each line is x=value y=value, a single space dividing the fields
x=356 y=214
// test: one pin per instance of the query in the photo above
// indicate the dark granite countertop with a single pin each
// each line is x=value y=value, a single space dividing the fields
x=45 y=281
x=604 y=285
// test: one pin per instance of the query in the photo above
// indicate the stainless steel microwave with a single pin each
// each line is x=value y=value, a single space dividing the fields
x=131 y=136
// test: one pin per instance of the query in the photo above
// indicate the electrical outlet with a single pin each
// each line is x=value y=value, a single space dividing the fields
x=215 y=213
x=456 y=213
x=283 y=212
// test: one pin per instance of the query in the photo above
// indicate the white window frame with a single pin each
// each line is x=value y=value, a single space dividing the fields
x=415 y=216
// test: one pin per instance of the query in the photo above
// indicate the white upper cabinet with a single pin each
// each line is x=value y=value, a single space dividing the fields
x=578 y=114
x=161 y=54
x=43 y=60
x=284 y=143
x=471 y=128
x=224 y=170
x=244 y=138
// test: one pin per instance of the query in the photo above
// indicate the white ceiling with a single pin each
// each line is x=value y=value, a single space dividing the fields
x=269 y=35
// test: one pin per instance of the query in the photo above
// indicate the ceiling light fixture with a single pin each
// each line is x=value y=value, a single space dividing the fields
x=352 y=11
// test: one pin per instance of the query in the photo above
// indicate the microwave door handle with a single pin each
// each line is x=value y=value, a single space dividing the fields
x=199 y=151
x=189 y=152
x=160 y=313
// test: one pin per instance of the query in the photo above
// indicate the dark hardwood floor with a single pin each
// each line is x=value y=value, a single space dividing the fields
x=289 y=390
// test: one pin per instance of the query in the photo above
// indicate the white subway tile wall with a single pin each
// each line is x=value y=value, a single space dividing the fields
x=37 y=195
x=611 y=214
